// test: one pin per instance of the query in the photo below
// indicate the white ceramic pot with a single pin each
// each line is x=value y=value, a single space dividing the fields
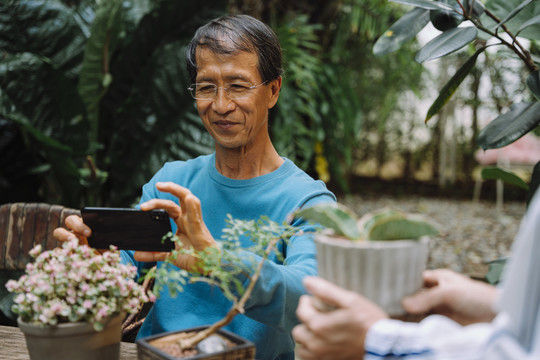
x=382 y=271
x=73 y=341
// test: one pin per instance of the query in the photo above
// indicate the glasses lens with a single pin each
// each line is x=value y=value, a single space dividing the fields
x=203 y=91
x=239 y=90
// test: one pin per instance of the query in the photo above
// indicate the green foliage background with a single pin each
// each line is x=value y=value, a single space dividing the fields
x=93 y=95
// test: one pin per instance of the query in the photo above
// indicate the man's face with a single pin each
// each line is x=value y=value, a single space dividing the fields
x=241 y=123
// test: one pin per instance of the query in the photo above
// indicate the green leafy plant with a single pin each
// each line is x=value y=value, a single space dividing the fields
x=91 y=86
x=225 y=267
x=73 y=283
x=496 y=23
x=380 y=225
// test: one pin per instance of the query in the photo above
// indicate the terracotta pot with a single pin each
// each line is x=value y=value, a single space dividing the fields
x=243 y=350
x=382 y=271
x=73 y=341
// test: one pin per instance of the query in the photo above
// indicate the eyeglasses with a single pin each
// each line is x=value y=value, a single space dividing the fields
x=235 y=91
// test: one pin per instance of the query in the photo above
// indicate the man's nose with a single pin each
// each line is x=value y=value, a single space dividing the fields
x=222 y=102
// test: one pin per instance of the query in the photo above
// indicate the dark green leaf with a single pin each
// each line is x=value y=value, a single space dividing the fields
x=496 y=173
x=425 y=4
x=338 y=218
x=534 y=183
x=46 y=28
x=46 y=97
x=534 y=21
x=449 y=89
x=502 y=8
x=401 y=229
x=533 y=82
x=513 y=13
x=59 y=156
x=446 y=43
x=495 y=271
x=401 y=31
x=510 y=126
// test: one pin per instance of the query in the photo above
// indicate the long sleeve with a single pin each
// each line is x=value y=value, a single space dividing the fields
x=434 y=338
x=513 y=335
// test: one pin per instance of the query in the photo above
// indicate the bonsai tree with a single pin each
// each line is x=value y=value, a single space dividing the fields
x=224 y=267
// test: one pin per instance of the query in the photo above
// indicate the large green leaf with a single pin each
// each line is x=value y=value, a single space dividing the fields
x=425 y=4
x=338 y=218
x=446 y=43
x=95 y=77
x=401 y=31
x=450 y=87
x=389 y=224
x=513 y=13
x=535 y=21
x=533 y=82
x=510 y=126
x=46 y=28
x=502 y=8
x=59 y=156
x=46 y=97
x=496 y=173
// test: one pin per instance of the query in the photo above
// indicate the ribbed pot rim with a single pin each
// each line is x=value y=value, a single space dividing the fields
x=339 y=241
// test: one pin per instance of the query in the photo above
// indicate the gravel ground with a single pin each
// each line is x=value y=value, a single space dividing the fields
x=471 y=233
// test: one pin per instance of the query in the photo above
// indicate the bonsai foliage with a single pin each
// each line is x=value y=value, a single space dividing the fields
x=384 y=224
x=497 y=23
x=234 y=272
x=73 y=283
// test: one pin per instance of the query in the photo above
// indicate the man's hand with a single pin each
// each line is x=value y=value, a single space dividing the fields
x=191 y=228
x=454 y=295
x=337 y=334
x=77 y=229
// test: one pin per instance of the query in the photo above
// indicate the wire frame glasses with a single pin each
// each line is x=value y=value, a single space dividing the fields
x=235 y=91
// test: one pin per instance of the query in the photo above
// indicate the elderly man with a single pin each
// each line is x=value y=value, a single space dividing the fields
x=235 y=66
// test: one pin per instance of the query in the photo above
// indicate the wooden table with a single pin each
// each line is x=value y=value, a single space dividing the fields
x=13 y=346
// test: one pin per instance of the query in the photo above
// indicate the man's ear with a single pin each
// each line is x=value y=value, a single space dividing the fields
x=275 y=86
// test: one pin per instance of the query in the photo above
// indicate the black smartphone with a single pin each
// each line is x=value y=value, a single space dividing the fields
x=128 y=229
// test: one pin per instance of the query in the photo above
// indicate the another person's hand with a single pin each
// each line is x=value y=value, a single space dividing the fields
x=337 y=334
x=454 y=295
x=191 y=229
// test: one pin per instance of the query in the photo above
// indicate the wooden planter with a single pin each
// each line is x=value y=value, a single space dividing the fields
x=244 y=349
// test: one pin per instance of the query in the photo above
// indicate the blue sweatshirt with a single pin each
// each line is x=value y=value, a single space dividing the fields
x=270 y=311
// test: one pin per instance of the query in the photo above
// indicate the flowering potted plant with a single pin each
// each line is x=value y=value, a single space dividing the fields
x=381 y=255
x=71 y=302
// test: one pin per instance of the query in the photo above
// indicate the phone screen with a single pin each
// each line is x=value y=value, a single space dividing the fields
x=128 y=229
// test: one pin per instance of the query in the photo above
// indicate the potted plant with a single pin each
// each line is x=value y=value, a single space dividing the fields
x=224 y=268
x=71 y=302
x=381 y=255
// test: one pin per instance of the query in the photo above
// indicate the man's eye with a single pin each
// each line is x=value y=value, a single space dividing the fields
x=206 y=88
x=239 y=87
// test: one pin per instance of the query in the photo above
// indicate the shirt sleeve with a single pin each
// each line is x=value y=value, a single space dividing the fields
x=434 y=338
x=276 y=294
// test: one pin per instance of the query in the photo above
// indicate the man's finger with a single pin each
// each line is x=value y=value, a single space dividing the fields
x=423 y=301
x=61 y=234
x=328 y=292
x=76 y=224
x=150 y=256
